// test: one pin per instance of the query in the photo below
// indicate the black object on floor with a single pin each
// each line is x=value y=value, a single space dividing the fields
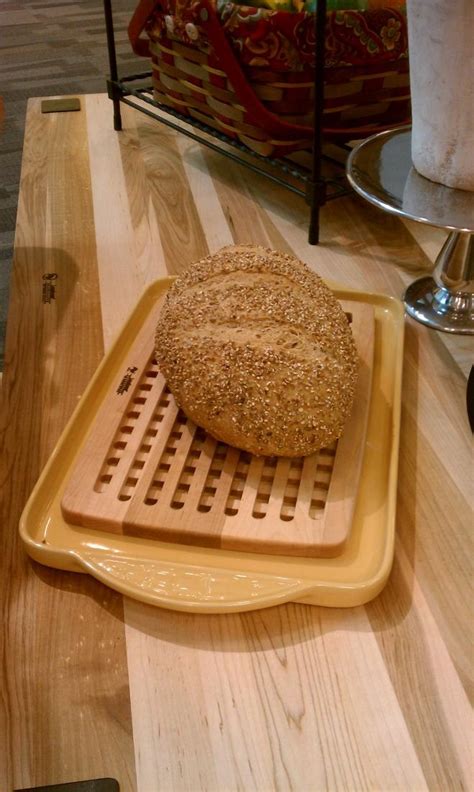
x=93 y=785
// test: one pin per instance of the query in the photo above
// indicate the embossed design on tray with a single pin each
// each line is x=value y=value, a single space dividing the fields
x=180 y=583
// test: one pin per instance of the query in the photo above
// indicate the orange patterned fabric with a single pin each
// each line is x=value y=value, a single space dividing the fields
x=285 y=41
x=248 y=72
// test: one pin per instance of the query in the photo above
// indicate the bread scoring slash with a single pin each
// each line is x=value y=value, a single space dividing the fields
x=257 y=350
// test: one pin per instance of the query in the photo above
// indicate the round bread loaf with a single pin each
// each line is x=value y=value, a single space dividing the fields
x=257 y=350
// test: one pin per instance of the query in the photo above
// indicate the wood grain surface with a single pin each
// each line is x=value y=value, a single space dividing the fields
x=146 y=470
x=295 y=697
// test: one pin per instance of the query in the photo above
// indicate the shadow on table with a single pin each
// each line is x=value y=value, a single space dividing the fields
x=79 y=584
x=54 y=338
x=43 y=281
x=393 y=243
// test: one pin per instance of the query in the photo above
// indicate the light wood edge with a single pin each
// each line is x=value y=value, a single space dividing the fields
x=342 y=493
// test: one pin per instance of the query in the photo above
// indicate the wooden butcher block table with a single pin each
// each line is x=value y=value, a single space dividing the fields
x=294 y=697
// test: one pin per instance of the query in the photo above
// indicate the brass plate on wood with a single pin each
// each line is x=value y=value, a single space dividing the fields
x=66 y=105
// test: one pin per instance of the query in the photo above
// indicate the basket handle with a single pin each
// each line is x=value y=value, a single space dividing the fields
x=137 y=24
x=260 y=115
x=211 y=25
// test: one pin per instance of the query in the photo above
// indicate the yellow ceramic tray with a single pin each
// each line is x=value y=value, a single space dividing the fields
x=220 y=581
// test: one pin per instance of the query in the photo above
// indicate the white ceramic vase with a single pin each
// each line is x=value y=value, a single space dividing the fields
x=441 y=48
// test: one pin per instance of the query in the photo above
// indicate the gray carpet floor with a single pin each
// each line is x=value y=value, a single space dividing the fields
x=47 y=48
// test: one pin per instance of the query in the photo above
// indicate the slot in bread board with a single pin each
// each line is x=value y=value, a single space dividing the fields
x=145 y=470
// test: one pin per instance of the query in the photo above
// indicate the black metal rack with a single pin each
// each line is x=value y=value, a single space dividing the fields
x=310 y=183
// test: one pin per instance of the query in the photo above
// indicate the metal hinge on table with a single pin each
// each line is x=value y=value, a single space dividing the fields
x=113 y=90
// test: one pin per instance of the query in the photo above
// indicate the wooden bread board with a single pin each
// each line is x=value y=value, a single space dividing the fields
x=146 y=470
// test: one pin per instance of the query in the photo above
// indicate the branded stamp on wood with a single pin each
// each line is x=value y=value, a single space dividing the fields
x=49 y=287
x=126 y=380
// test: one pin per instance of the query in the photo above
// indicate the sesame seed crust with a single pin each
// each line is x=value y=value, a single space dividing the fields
x=257 y=350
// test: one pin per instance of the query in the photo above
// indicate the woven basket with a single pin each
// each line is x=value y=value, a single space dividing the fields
x=268 y=110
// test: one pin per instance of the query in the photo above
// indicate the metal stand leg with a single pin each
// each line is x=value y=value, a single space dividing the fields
x=446 y=301
x=313 y=235
x=117 y=116
x=317 y=192
x=109 y=27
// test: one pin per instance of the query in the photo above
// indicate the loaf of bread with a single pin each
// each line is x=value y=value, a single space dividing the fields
x=257 y=350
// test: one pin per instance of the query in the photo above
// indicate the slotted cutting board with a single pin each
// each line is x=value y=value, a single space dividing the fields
x=146 y=470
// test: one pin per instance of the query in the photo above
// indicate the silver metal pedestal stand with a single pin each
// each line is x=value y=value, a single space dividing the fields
x=380 y=169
